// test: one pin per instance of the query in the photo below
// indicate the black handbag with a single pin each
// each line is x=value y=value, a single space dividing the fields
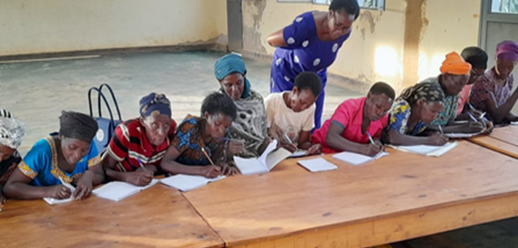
x=106 y=125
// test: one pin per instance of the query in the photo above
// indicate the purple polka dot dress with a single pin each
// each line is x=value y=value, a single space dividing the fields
x=304 y=52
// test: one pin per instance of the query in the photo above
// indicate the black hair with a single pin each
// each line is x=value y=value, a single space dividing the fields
x=382 y=88
x=76 y=125
x=217 y=102
x=309 y=80
x=349 y=6
x=475 y=56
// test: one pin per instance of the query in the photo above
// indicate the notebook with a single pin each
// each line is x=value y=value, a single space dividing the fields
x=53 y=201
x=188 y=182
x=117 y=191
x=357 y=159
x=433 y=151
x=317 y=165
x=298 y=154
x=263 y=164
x=461 y=135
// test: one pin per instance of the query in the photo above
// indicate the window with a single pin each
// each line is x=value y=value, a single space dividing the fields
x=367 y=4
x=504 y=6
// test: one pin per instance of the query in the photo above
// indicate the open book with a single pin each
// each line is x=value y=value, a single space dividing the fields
x=263 y=164
x=117 y=191
x=188 y=182
x=462 y=135
x=356 y=158
x=317 y=165
x=433 y=151
x=53 y=201
x=298 y=154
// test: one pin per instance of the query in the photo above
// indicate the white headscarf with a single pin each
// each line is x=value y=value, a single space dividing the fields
x=12 y=130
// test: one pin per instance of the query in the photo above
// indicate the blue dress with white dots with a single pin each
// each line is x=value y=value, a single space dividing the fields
x=304 y=52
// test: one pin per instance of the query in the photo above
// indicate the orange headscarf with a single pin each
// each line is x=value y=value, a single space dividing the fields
x=454 y=64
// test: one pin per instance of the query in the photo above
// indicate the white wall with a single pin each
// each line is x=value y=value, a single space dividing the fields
x=35 y=26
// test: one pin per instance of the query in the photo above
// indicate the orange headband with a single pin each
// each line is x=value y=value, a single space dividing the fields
x=454 y=64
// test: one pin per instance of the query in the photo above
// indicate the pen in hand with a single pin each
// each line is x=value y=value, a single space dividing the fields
x=370 y=138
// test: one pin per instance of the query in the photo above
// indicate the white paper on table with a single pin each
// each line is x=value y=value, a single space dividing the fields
x=356 y=158
x=188 y=182
x=317 y=165
x=433 y=151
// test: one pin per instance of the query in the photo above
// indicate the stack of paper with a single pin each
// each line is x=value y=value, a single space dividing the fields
x=265 y=163
x=434 y=151
x=188 y=182
x=53 y=201
x=357 y=159
x=317 y=165
x=117 y=191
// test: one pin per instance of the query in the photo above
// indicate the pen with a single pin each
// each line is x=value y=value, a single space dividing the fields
x=287 y=138
x=370 y=138
x=141 y=165
x=207 y=155
x=472 y=117
x=440 y=129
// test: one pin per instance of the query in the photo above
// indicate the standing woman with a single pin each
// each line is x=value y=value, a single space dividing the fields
x=311 y=43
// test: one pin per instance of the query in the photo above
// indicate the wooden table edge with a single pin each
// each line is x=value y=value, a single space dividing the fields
x=472 y=211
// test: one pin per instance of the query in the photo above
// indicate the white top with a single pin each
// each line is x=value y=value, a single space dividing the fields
x=282 y=119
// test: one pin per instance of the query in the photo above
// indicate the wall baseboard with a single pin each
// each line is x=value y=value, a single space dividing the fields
x=116 y=51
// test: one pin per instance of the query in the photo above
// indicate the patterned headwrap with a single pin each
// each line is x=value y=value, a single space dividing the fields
x=155 y=104
x=507 y=50
x=12 y=130
x=232 y=63
x=428 y=91
x=454 y=64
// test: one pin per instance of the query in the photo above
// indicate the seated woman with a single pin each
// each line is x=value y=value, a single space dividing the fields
x=455 y=74
x=198 y=148
x=492 y=92
x=69 y=156
x=290 y=114
x=250 y=124
x=141 y=141
x=355 y=120
x=411 y=113
x=12 y=131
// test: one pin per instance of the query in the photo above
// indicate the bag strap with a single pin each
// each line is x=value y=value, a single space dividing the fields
x=113 y=99
x=105 y=102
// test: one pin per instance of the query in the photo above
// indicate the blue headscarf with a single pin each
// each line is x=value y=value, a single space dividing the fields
x=232 y=63
x=155 y=103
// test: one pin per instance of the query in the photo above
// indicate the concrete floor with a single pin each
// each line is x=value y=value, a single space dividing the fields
x=36 y=92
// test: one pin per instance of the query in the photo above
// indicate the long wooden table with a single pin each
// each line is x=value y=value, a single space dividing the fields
x=156 y=217
x=503 y=140
x=398 y=197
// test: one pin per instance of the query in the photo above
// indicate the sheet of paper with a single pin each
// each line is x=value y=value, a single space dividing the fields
x=272 y=146
x=116 y=191
x=274 y=158
x=435 y=151
x=357 y=159
x=317 y=165
x=248 y=166
x=188 y=182
x=53 y=201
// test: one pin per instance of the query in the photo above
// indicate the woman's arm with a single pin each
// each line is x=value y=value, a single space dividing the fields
x=18 y=187
x=399 y=139
x=276 y=39
x=170 y=165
